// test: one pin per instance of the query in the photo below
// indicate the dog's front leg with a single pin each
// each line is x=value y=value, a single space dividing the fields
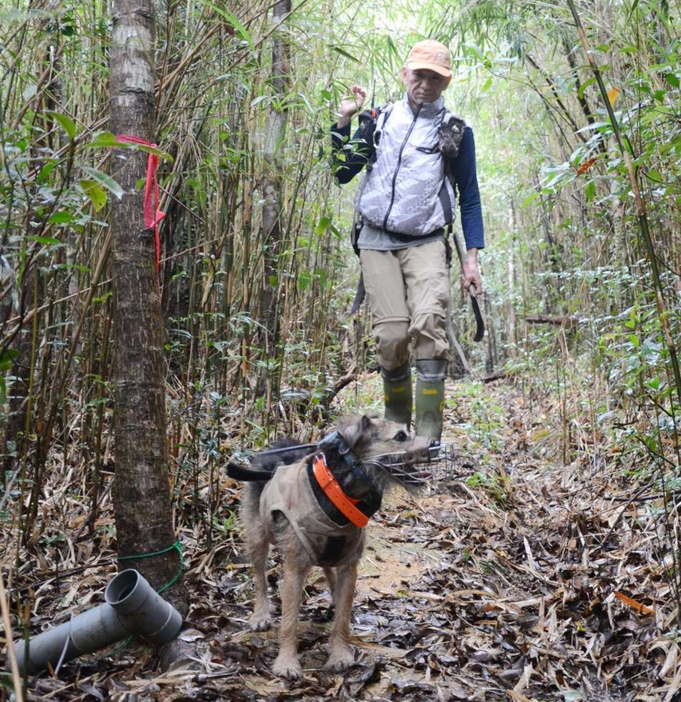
x=287 y=664
x=331 y=579
x=341 y=655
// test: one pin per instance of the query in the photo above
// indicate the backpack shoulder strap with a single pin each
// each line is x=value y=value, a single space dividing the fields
x=382 y=113
x=449 y=143
x=380 y=116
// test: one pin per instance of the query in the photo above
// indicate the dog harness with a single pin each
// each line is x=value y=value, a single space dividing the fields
x=326 y=542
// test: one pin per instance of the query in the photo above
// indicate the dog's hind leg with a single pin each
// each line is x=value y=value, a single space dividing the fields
x=341 y=655
x=287 y=664
x=258 y=547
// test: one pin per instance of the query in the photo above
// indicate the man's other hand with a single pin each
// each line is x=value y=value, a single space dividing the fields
x=472 y=282
x=351 y=105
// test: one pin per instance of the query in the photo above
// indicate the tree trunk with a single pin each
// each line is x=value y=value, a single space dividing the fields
x=142 y=488
x=270 y=304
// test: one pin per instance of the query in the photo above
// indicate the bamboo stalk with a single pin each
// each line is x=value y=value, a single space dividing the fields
x=7 y=625
x=640 y=203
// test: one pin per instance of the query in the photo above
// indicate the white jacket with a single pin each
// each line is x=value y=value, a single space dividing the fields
x=401 y=192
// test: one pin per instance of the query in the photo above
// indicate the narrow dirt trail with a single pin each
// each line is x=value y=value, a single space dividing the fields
x=492 y=586
x=512 y=578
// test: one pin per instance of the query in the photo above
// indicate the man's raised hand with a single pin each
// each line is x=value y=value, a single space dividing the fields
x=351 y=105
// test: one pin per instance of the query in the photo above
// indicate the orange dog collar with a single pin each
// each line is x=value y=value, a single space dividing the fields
x=333 y=490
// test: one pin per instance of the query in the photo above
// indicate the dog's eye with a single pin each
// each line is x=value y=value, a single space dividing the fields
x=401 y=436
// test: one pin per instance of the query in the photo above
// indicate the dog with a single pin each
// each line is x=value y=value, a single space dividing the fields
x=313 y=506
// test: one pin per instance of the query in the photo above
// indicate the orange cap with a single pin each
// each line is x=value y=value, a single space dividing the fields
x=432 y=55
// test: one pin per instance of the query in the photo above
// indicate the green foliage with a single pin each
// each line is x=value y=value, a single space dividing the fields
x=6 y=361
x=494 y=485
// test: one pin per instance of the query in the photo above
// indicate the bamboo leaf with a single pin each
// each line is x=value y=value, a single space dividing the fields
x=234 y=21
x=94 y=192
x=46 y=170
x=530 y=199
x=594 y=126
x=106 y=140
x=62 y=217
x=163 y=155
x=45 y=240
x=345 y=53
x=584 y=86
x=8 y=355
x=106 y=181
x=304 y=280
x=66 y=123
x=653 y=384
x=322 y=225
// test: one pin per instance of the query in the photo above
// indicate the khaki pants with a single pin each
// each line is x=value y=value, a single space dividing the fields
x=408 y=294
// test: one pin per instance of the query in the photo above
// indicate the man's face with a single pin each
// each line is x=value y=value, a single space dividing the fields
x=423 y=85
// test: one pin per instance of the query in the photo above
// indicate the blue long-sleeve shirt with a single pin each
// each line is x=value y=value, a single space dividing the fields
x=358 y=152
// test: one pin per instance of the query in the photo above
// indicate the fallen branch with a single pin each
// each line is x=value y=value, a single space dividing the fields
x=491 y=377
x=343 y=382
x=563 y=321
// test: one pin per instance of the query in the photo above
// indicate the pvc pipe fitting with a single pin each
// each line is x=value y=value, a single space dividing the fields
x=132 y=607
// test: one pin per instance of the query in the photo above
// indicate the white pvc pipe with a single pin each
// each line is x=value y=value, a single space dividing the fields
x=132 y=607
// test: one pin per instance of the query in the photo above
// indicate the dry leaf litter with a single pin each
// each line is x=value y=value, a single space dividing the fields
x=515 y=577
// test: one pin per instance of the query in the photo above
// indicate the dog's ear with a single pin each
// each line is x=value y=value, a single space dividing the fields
x=354 y=431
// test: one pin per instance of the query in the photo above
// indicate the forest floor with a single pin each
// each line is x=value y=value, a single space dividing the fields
x=515 y=577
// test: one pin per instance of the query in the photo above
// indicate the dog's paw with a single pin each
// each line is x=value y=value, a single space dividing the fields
x=260 y=621
x=340 y=659
x=286 y=666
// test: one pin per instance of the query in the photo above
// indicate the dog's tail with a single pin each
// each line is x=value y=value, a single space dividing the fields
x=236 y=472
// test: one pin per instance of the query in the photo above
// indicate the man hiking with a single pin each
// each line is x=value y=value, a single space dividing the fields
x=404 y=204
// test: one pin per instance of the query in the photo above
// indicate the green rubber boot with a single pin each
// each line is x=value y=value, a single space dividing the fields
x=430 y=403
x=430 y=397
x=397 y=394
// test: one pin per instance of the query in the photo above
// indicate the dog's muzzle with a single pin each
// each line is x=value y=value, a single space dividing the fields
x=409 y=467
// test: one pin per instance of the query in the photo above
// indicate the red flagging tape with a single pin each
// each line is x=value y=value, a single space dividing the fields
x=152 y=215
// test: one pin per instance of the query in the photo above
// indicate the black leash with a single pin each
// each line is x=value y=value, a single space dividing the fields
x=237 y=472
x=267 y=452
